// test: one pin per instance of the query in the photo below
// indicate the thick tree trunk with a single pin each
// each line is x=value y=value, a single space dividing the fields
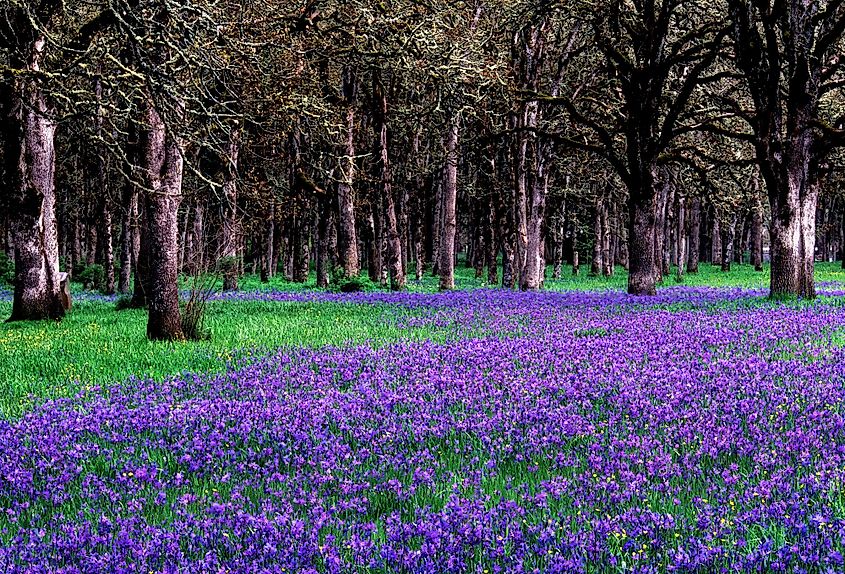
x=716 y=244
x=347 y=238
x=161 y=167
x=642 y=232
x=29 y=152
x=231 y=235
x=793 y=198
x=534 y=256
x=446 y=250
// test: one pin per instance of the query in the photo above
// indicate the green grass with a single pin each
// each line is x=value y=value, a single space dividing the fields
x=742 y=275
x=96 y=345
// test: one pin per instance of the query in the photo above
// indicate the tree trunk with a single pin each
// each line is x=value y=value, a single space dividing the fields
x=324 y=223
x=394 y=240
x=681 y=235
x=347 y=238
x=301 y=251
x=141 y=284
x=29 y=152
x=91 y=239
x=757 y=234
x=642 y=231
x=596 y=263
x=108 y=248
x=606 y=253
x=727 y=242
x=520 y=211
x=130 y=207
x=534 y=256
x=446 y=265
x=479 y=251
x=507 y=223
x=716 y=249
x=739 y=238
x=161 y=166
x=270 y=241
x=694 y=235
x=576 y=263
x=490 y=239
x=230 y=239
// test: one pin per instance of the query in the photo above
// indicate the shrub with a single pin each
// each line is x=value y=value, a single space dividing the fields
x=340 y=282
x=7 y=269
x=193 y=310
x=123 y=302
x=93 y=277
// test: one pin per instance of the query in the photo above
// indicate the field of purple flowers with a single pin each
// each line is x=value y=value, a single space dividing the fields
x=700 y=431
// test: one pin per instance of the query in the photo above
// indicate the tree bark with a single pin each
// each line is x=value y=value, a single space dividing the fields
x=108 y=248
x=270 y=241
x=596 y=263
x=347 y=238
x=757 y=233
x=394 y=240
x=29 y=152
x=324 y=223
x=130 y=207
x=141 y=283
x=230 y=238
x=490 y=250
x=534 y=256
x=727 y=243
x=642 y=231
x=161 y=167
x=606 y=253
x=716 y=250
x=446 y=250
x=301 y=252
x=681 y=235
x=694 y=235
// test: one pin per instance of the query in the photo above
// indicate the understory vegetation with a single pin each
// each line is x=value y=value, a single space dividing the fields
x=477 y=430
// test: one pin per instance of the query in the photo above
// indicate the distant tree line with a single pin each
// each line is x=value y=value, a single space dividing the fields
x=156 y=138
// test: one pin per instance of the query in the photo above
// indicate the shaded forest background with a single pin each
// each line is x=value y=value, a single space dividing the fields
x=144 y=139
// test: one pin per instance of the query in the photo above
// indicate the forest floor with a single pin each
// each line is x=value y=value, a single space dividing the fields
x=576 y=429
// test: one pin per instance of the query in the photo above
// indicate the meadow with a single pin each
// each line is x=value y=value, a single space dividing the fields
x=571 y=430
